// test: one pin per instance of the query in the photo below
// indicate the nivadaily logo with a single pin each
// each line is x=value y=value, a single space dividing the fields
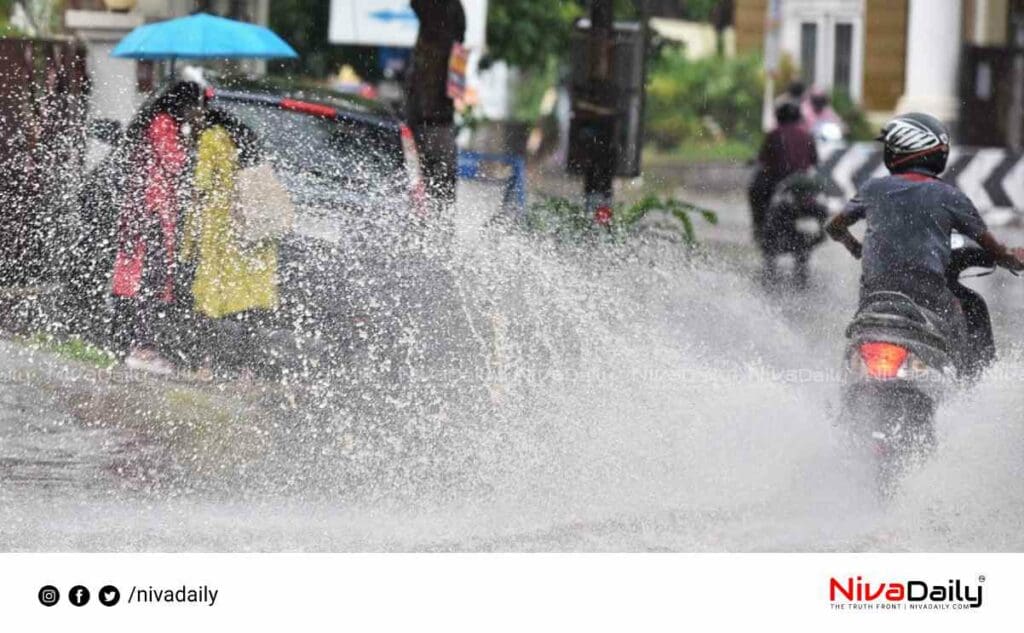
x=912 y=594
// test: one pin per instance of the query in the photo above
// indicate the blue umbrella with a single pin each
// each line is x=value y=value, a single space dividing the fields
x=202 y=36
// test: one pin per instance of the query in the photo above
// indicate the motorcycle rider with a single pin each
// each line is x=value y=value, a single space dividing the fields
x=787 y=149
x=910 y=216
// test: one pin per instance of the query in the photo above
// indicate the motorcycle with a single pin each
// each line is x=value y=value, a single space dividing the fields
x=899 y=366
x=794 y=223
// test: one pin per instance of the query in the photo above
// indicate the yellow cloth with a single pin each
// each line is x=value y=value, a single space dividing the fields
x=228 y=277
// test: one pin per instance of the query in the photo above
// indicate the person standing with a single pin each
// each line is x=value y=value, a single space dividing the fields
x=232 y=278
x=429 y=111
x=144 y=275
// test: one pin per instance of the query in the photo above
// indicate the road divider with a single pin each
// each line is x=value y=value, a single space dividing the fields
x=992 y=177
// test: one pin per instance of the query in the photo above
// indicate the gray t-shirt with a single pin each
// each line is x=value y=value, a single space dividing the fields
x=910 y=218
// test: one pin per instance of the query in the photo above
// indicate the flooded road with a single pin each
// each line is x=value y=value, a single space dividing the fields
x=640 y=399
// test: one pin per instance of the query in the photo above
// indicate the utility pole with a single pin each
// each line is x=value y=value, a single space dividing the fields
x=608 y=77
x=1015 y=124
x=599 y=168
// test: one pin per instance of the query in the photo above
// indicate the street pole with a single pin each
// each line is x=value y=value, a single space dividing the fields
x=772 y=20
x=1015 y=125
x=600 y=166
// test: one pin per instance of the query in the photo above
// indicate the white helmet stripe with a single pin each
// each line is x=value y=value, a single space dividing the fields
x=904 y=136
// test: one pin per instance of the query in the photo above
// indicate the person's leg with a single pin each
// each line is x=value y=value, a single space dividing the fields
x=980 y=347
x=801 y=269
x=759 y=196
x=142 y=322
x=147 y=307
x=438 y=160
x=122 y=324
x=445 y=138
x=144 y=354
x=770 y=270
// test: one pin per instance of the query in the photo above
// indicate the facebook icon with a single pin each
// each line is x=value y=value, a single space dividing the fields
x=78 y=596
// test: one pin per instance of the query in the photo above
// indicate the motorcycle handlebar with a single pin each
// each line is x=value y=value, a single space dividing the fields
x=972 y=256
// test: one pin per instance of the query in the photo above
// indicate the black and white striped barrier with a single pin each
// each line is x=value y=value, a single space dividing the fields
x=993 y=178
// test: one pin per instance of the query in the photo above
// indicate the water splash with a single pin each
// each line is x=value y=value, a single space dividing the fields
x=518 y=393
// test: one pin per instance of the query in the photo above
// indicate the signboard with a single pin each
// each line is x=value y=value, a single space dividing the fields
x=393 y=23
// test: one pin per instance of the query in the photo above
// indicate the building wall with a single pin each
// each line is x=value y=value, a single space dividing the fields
x=749 y=22
x=885 y=53
x=821 y=59
x=985 y=22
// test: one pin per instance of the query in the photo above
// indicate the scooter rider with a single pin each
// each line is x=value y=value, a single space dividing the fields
x=910 y=216
x=787 y=149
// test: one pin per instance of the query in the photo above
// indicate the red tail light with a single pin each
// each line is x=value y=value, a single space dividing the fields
x=417 y=188
x=883 y=360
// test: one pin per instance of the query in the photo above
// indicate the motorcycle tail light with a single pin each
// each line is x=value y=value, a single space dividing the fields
x=883 y=360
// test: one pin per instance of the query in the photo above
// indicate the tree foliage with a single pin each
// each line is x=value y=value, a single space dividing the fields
x=708 y=99
x=527 y=33
x=303 y=24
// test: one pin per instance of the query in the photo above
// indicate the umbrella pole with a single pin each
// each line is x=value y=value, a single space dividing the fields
x=172 y=67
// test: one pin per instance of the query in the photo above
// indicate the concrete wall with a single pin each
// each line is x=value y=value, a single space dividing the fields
x=885 y=53
x=749 y=19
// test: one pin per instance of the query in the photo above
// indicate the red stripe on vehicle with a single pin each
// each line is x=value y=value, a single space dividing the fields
x=306 y=107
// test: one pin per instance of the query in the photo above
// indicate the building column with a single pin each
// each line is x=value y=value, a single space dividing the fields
x=934 y=44
x=113 y=94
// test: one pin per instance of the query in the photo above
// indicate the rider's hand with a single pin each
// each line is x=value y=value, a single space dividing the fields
x=1014 y=259
x=855 y=248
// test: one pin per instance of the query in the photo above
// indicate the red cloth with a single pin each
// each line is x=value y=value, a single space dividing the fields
x=164 y=160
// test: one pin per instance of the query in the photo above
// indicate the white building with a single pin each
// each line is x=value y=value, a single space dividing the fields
x=947 y=57
x=119 y=85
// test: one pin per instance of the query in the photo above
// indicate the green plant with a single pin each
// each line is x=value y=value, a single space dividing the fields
x=631 y=216
x=566 y=219
x=858 y=126
x=6 y=29
x=530 y=89
x=74 y=348
x=710 y=150
x=705 y=100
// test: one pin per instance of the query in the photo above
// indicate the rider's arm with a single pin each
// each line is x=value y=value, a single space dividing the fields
x=838 y=229
x=1012 y=258
x=839 y=226
x=969 y=222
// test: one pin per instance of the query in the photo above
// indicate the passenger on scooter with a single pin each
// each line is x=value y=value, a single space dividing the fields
x=786 y=150
x=910 y=216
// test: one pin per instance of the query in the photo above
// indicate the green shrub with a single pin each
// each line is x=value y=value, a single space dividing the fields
x=568 y=220
x=858 y=126
x=74 y=348
x=703 y=100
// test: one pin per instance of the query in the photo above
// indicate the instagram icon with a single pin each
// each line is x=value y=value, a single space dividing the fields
x=49 y=596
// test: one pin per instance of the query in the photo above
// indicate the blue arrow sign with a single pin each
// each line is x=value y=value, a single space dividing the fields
x=389 y=15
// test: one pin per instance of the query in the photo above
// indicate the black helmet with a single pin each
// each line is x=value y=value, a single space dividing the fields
x=915 y=141
x=787 y=111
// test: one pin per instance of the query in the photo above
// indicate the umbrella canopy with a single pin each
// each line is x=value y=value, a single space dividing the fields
x=202 y=36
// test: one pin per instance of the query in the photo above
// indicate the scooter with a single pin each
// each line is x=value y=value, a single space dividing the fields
x=899 y=366
x=794 y=224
